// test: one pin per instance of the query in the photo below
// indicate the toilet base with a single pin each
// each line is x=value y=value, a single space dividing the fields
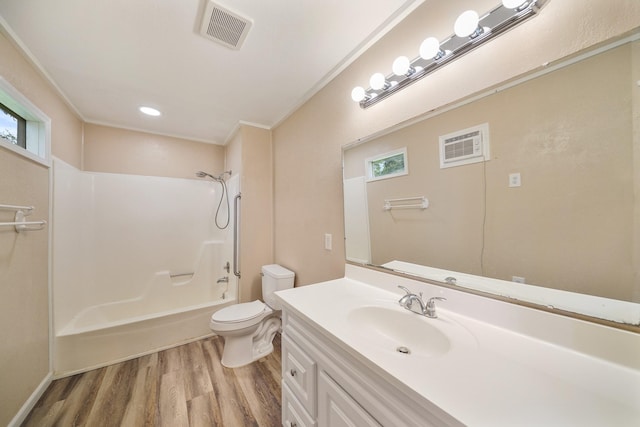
x=241 y=350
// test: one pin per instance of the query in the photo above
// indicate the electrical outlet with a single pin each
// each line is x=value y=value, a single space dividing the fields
x=327 y=241
x=514 y=180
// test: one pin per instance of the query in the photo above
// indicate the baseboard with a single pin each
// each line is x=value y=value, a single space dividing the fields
x=31 y=401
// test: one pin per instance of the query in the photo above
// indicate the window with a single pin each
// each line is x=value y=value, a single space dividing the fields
x=13 y=128
x=387 y=165
x=24 y=129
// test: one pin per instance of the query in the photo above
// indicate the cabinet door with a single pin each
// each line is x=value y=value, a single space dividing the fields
x=337 y=409
x=293 y=414
x=299 y=373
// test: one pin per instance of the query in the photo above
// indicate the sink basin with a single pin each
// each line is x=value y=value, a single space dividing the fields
x=399 y=330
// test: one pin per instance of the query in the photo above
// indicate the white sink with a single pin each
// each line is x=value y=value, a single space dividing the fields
x=399 y=330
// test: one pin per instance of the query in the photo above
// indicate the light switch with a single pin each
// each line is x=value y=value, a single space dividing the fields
x=514 y=180
x=327 y=241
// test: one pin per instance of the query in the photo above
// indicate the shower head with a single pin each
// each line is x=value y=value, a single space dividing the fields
x=201 y=174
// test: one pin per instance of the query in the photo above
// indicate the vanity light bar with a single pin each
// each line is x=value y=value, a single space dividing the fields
x=471 y=31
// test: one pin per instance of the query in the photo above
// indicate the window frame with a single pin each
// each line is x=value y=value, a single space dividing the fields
x=369 y=161
x=21 y=126
x=37 y=125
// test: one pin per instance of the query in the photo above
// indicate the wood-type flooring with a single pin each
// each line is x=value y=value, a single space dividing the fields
x=184 y=386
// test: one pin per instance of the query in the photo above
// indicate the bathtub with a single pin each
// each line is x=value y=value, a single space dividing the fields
x=137 y=265
x=94 y=345
x=173 y=309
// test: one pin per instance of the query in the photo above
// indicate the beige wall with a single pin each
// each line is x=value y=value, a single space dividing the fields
x=66 y=127
x=108 y=149
x=307 y=146
x=24 y=293
x=249 y=153
x=569 y=226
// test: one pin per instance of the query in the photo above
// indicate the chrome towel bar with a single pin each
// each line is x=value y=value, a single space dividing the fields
x=419 y=202
x=19 y=222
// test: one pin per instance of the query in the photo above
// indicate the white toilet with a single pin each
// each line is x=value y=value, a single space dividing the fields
x=248 y=328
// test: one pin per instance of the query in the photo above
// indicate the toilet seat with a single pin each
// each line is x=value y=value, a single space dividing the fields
x=239 y=312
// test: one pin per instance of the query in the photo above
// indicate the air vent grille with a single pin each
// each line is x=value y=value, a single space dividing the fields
x=465 y=146
x=224 y=26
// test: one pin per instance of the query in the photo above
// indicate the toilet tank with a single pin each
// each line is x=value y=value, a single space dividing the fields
x=275 y=278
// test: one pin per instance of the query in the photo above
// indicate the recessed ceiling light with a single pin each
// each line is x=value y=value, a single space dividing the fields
x=150 y=111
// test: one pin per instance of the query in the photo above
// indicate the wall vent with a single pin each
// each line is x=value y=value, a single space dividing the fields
x=465 y=146
x=224 y=26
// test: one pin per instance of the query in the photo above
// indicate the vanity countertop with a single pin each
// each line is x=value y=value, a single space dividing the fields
x=491 y=375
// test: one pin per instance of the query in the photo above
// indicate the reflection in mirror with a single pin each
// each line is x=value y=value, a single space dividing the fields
x=552 y=213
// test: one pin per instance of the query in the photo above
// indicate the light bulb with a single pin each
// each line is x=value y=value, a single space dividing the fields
x=401 y=66
x=466 y=24
x=377 y=81
x=430 y=48
x=513 y=4
x=150 y=111
x=358 y=94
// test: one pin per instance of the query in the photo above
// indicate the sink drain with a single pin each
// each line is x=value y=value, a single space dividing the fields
x=403 y=350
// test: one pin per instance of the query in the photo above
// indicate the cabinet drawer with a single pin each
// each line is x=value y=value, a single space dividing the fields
x=299 y=373
x=293 y=414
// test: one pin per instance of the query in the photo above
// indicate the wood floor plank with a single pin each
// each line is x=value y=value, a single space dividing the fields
x=182 y=386
x=203 y=411
x=173 y=404
x=194 y=366
x=113 y=394
x=45 y=416
x=141 y=410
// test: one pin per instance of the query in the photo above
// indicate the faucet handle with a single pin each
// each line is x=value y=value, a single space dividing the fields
x=405 y=289
x=433 y=299
x=431 y=306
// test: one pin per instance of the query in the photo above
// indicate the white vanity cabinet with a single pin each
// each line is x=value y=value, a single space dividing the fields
x=326 y=386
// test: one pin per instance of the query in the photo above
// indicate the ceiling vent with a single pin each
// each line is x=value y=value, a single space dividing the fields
x=224 y=26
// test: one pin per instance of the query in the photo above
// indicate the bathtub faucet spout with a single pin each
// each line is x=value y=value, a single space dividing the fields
x=224 y=279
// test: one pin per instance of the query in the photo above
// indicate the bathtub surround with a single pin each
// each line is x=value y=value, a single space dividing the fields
x=138 y=264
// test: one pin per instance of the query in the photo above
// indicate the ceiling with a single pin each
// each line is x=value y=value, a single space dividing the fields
x=109 y=57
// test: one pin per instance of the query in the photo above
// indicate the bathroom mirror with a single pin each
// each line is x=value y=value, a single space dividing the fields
x=549 y=212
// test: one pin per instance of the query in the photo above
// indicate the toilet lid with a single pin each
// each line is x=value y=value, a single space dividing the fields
x=239 y=312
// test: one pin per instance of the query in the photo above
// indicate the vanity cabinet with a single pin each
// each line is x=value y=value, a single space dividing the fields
x=325 y=385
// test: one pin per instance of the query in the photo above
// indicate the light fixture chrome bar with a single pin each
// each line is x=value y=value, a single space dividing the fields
x=495 y=22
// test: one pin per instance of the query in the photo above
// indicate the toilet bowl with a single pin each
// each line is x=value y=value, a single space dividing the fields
x=248 y=328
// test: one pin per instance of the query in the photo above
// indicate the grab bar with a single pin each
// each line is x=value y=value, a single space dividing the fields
x=180 y=274
x=236 y=234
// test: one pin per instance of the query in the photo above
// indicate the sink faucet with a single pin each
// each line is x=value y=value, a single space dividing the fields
x=414 y=303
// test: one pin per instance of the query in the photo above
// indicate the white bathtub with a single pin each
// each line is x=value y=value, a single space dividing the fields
x=95 y=345
x=121 y=244
x=170 y=311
